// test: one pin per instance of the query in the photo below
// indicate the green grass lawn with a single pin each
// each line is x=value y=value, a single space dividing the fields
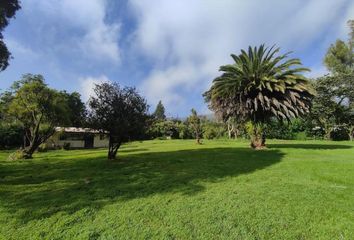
x=178 y=190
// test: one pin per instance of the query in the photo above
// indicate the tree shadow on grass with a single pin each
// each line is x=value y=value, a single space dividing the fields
x=39 y=189
x=310 y=146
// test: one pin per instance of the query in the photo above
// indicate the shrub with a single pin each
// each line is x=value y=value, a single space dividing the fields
x=213 y=130
x=11 y=136
x=339 y=133
x=66 y=146
x=18 y=154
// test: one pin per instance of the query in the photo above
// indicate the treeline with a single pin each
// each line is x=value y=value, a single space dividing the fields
x=263 y=94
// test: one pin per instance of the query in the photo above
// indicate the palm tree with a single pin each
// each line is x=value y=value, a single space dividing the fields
x=258 y=86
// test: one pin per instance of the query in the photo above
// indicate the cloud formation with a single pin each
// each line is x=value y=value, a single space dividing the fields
x=84 y=20
x=87 y=85
x=189 y=40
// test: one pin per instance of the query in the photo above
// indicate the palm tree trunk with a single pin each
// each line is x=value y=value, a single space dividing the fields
x=258 y=138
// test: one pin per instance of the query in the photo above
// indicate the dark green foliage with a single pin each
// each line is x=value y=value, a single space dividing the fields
x=11 y=136
x=159 y=113
x=66 y=146
x=259 y=86
x=339 y=57
x=285 y=130
x=184 y=131
x=333 y=104
x=164 y=129
x=77 y=109
x=213 y=130
x=121 y=113
x=333 y=107
x=339 y=133
x=8 y=10
x=194 y=123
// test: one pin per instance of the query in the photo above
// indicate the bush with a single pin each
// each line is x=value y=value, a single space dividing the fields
x=339 y=133
x=11 y=136
x=18 y=154
x=286 y=130
x=66 y=146
x=213 y=130
x=184 y=131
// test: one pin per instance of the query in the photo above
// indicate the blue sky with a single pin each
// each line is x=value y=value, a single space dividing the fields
x=170 y=50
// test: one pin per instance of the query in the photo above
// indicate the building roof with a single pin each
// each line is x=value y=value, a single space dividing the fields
x=76 y=130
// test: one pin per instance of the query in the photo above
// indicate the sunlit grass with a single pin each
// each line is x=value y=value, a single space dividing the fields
x=179 y=190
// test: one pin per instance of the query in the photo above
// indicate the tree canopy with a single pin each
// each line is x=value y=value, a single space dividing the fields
x=77 y=109
x=38 y=108
x=195 y=122
x=159 y=113
x=258 y=86
x=8 y=10
x=333 y=106
x=121 y=113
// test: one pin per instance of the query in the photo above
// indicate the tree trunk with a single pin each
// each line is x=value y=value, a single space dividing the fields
x=197 y=137
x=229 y=130
x=263 y=139
x=258 y=138
x=28 y=151
x=112 y=149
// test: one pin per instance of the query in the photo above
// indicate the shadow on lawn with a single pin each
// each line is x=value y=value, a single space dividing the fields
x=309 y=146
x=39 y=189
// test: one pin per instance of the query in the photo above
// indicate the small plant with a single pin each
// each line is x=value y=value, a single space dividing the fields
x=66 y=146
x=18 y=154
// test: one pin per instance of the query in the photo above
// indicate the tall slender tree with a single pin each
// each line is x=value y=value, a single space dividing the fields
x=159 y=113
x=195 y=123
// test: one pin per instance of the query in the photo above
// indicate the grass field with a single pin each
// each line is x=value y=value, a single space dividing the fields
x=178 y=190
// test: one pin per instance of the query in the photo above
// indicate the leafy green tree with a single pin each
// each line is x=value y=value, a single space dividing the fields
x=38 y=108
x=8 y=10
x=195 y=124
x=163 y=129
x=184 y=131
x=11 y=135
x=333 y=107
x=333 y=104
x=77 y=109
x=159 y=113
x=339 y=57
x=212 y=129
x=259 y=86
x=119 y=112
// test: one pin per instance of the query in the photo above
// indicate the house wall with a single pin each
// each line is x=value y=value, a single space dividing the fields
x=54 y=141
x=98 y=142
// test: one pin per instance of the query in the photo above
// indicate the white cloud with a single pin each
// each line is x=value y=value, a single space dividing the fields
x=18 y=49
x=189 y=40
x=98 y=39
x=87 y=85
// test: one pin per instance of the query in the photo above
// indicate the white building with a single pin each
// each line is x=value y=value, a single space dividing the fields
x=77 y=138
